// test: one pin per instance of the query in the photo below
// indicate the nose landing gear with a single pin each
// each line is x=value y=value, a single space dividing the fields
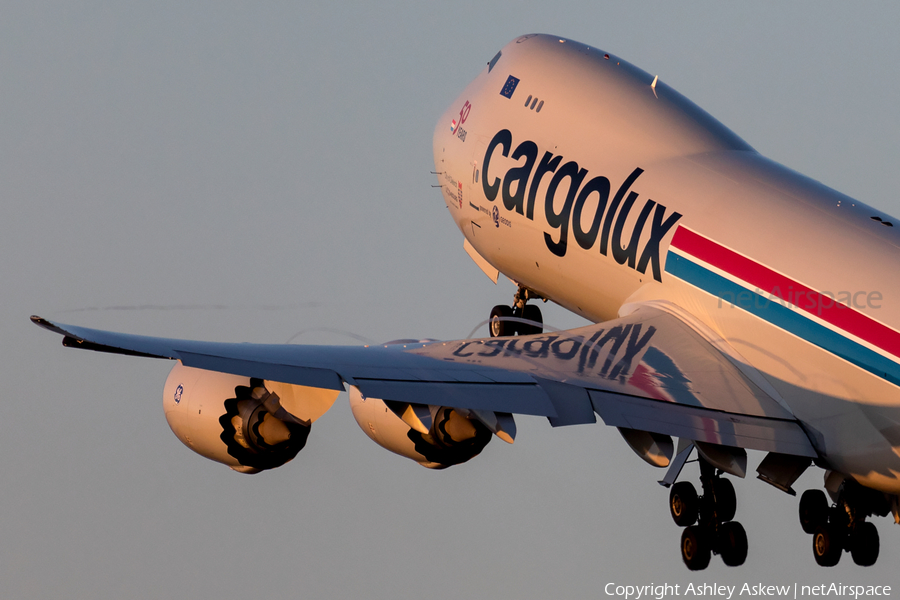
x=707 y=520
x=520 y=318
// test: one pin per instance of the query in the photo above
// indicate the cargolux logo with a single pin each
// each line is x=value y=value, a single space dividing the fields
x=607 y=229
x=616 y=350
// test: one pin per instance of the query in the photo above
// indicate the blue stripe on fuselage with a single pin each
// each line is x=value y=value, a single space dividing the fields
x=775 y=313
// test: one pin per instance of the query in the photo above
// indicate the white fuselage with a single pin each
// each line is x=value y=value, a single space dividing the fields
x=582 y=178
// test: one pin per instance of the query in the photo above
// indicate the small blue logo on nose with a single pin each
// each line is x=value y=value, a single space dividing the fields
x=509 y=87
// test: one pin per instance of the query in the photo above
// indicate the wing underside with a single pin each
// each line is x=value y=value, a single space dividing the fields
x=648 y=371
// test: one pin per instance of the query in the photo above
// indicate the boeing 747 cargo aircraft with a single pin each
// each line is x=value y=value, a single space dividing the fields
x=737 y=305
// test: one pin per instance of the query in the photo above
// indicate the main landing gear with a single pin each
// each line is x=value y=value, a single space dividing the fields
x=520 y=318
x=842 y=526
x=707 y=520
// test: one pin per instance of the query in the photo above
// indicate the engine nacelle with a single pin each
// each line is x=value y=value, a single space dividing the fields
x=442 y=436
x=246 y=423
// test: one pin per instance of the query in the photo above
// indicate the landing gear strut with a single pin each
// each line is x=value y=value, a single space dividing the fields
x=707 y=520
x=843 y=526
x=510 y=320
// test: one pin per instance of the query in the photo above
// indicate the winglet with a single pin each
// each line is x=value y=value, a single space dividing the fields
x=72 y=339
x=42 y=322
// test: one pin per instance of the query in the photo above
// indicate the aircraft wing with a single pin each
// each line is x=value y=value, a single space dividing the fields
x=648 y=371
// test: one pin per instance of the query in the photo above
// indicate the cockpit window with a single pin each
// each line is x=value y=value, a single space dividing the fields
x=494 y=61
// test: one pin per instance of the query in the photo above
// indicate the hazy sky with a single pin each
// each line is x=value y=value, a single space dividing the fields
x=250 y=171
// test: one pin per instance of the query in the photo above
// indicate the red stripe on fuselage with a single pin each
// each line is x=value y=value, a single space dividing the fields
x=790 y=291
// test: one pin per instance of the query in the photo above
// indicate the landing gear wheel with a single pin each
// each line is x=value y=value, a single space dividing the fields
x=827 y=545
x=813 y=510
x=725 y=499
x=500 y=327
x=695 y=549
x=531 y=312
x=864 y=545
x=683 y=505
x=732 y=543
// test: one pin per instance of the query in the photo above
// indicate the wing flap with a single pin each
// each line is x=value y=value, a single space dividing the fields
x=701 y=424
x=571 y=403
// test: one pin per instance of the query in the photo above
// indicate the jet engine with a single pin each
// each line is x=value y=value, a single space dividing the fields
x=246 y=423
x=434 y=436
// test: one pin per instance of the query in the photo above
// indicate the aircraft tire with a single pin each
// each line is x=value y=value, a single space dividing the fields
x=813 y=510
x=498 y=326
x=732 y=543
x=695 y=550
x=827 y=544
x=726 y=499
x=531 y=313
x=683 y=503
x=864 y=544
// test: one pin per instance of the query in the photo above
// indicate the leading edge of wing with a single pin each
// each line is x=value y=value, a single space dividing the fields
x=387 y=371
x=648 y=371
